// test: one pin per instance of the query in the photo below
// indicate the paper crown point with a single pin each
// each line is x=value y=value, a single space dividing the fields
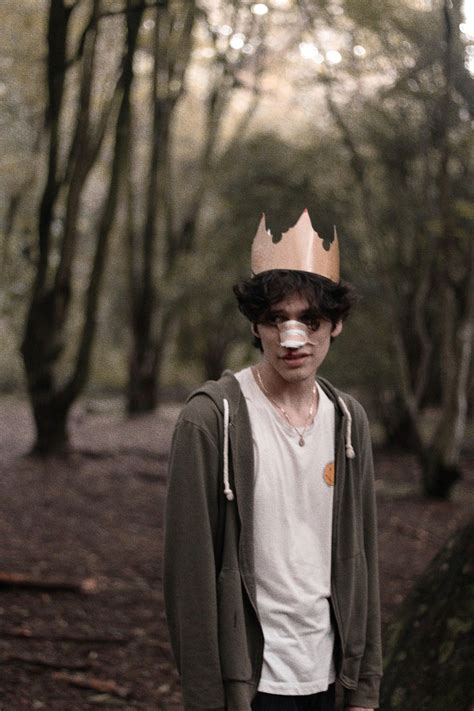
x=300 y=248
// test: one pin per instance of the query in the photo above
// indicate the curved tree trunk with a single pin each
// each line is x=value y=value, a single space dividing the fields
x=429 y=650
x=441 y=270
x=52 y=396
x=441 y=460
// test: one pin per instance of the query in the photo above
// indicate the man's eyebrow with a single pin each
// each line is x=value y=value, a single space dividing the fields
x=305 y=312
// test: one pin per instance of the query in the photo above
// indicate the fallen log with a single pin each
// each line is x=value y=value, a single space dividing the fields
x=29 y=582
x=26 y=633
x=107 y=686
x=39 y=662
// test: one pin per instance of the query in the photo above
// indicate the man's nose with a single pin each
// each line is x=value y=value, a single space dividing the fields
x=293 y=334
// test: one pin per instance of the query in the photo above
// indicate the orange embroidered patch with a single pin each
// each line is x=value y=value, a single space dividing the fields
x=329 y=472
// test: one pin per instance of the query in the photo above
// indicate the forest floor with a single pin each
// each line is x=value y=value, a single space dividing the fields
x=94 y=523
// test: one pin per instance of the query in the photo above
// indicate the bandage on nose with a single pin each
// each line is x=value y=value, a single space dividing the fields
x=293 y=334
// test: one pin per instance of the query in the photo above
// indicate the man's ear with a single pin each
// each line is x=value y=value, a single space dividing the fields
x=336 y=329
x=254 y=329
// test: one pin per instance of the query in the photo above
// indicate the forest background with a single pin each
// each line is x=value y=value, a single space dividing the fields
x=141 y=142
x=141 y=145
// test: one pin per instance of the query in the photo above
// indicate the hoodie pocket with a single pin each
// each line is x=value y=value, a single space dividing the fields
x=233 y=647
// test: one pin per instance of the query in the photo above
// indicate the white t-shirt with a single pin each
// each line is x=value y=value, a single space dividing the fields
x=292 y=531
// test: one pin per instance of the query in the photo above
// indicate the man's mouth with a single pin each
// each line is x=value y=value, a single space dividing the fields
x=295 y=356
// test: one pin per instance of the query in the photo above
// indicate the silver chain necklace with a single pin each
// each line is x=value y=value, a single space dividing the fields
x=301 y=441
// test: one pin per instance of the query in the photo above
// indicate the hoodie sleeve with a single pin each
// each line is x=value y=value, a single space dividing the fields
x=190 y=567
x=367 y=692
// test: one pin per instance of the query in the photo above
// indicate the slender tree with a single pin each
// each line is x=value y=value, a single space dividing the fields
x=51 y=393
x=155 y=255
x=149 y=322
x=456 y=285
x=421 y=253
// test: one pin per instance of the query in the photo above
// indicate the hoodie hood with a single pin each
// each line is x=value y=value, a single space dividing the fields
x=227 y=387
x=227 y=397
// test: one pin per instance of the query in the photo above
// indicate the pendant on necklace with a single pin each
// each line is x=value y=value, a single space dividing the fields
x=301 y=441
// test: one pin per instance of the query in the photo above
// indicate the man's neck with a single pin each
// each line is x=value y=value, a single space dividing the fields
x=294 y=395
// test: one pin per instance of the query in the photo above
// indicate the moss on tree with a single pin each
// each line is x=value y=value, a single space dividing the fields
x=429 y=650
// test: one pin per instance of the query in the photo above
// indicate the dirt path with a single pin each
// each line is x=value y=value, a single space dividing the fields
x=99 y=517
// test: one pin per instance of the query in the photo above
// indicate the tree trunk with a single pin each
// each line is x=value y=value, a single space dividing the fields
x=400 y=434
x=214 y=359
x=438 y=477
x=142 y=382
x=50 y=416
x=51 y=396
x=434 y=266
x=44 y=336
x=429 y=645
x=144 y=372
x=40 y=346
x=161 y=235
x=142 y=377
x=149 y=255
x=440 y=462
x=117 y=181
x=142 y=393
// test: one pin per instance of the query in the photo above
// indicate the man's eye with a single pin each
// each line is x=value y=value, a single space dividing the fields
x=275 y=318
x=312 y=323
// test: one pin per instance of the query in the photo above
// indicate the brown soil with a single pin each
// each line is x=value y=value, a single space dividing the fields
x=98 y=516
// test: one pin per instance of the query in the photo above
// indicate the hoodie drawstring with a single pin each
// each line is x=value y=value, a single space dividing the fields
x=229 y=494
x=350 y=454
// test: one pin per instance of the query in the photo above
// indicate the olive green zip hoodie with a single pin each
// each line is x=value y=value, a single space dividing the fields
x=209 y=583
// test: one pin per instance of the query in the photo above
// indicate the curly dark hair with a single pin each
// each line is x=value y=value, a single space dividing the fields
x=327 y=300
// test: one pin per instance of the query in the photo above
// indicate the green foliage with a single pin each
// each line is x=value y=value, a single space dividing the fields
x=266 y=173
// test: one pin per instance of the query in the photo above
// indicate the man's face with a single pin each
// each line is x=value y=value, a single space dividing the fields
x=295 y=364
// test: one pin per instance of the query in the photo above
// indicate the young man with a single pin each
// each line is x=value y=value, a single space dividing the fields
x=271 y=585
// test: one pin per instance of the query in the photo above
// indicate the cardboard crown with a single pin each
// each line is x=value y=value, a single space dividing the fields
x=300 y=248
